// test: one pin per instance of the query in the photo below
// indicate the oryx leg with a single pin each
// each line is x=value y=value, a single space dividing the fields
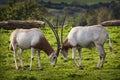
x=15 y=51
x=74 y=56
x=32 y=57
x=78 y=63
x=20 y=57
x=80 y=58
x=39 y=65
x=102 y=55
x=73 y=53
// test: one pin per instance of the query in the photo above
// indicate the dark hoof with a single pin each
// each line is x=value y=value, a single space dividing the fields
x=80 y=68
x=41 y=69
x=61 y=57
x=97 y=68
x=65 y=61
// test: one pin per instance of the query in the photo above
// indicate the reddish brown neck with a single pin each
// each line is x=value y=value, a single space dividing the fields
x=44 y=45
x=66 y=45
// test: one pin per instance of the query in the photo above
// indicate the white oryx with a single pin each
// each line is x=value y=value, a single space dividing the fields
x=32 y=39
x=86 y=37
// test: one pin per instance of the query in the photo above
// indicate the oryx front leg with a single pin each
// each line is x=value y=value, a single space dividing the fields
x=20 y=58
x=73 y=53
x=74 y=56
x=39 y=65
x=32 y=57
x=78 y=63
x=102 y=55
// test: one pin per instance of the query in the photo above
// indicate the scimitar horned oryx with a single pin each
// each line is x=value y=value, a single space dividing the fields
x=33 y=39
x=86 y=37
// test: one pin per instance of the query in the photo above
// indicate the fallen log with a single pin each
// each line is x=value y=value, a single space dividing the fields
x=26 y=24
x=111 y=23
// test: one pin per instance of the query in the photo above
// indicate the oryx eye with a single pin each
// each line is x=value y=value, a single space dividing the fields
x=54 y=57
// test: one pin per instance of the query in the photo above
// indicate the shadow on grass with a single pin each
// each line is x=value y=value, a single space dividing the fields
x=74 y=75
x=24 y=77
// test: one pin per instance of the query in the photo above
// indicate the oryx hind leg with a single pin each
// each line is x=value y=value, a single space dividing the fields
x=102 y=55
x=32 y=57
x=80 y=58
x=15 y=51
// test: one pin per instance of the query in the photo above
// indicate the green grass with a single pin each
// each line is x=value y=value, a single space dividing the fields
x=62 y=70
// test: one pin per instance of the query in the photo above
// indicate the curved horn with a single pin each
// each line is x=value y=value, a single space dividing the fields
x=56 y=35
x=62 y=29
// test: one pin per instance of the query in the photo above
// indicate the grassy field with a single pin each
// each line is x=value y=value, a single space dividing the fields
x=62 y=70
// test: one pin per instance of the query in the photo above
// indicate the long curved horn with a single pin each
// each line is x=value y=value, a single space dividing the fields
x=62 y=29
x=56 y=35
